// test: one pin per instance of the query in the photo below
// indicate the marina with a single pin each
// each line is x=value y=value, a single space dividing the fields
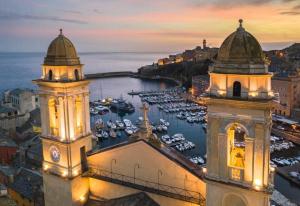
x=178 y=122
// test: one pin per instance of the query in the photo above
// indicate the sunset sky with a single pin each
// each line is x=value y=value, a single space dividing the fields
x=144 y=25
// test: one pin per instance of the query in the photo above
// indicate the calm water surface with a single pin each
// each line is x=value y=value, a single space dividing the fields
x=18 y=69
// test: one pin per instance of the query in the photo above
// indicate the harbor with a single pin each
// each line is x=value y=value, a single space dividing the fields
x=163 y=123
x=184 y=118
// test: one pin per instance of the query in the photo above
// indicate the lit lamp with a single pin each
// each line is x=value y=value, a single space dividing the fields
x=46 y=167
x=65 y=173
x=257 y=184
x=204 y=169
x=272 y=169
x=75 y=173
x=271 y=94
x=253 y=94
x=82 y=198
x=221 y=92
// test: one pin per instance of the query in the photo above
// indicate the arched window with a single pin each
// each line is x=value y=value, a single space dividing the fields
x=78 y=115
x=236 y=141
x=236 y=89
x=76 y=74
x=50 y=75
x=53 y=116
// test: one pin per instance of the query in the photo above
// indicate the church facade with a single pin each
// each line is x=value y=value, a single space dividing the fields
x=143 y=171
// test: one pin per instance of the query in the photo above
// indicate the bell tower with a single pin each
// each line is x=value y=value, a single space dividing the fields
x=66 y=134
x=239 y=102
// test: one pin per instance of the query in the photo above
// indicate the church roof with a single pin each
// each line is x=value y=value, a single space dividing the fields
x=169 y=153
x=240 y=53
x=136 y=199
x=61 y=52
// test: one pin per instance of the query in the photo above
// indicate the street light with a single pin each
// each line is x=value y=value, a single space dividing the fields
x=159 y=173
x=136 y=165
x=111 y=163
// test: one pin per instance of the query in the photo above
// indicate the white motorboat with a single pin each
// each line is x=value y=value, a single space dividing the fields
x=127 y=122
x=120 y=124
x=129 y=131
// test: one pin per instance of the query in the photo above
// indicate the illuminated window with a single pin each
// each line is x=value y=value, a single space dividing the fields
x=53 y=117
x=236 y=138
x=78 y=115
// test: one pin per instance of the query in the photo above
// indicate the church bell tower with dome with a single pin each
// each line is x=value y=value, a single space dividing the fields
x=239 y=101
x=66 y=134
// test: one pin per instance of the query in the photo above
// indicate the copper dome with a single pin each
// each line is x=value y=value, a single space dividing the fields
x=240 y=53
x=61 y=52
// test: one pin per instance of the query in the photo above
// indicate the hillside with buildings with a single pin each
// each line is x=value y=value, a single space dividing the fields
x=182 y=66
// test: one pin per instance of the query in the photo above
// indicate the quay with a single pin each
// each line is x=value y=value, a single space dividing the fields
x=284 y=172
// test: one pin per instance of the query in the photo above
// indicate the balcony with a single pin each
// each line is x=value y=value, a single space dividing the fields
x=147 y=186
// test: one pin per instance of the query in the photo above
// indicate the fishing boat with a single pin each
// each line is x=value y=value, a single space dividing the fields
x=121 y=105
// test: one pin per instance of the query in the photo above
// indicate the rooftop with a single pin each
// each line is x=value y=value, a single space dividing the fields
x=27 y=183
x=4 y=109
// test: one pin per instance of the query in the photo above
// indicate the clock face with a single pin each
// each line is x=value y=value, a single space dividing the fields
x=54 y=153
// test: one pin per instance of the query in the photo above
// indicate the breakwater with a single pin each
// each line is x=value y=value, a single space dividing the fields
x=111 y=74
x=130 y=74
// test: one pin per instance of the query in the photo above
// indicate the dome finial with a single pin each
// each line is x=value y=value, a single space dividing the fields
x=60 y=32
x=241 y=22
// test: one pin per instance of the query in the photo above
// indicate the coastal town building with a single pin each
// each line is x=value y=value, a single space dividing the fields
x=75 y=173
x=8 y=149
x=24 y=100
x=193 y=55
x=15 y=108
x=288 y=88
